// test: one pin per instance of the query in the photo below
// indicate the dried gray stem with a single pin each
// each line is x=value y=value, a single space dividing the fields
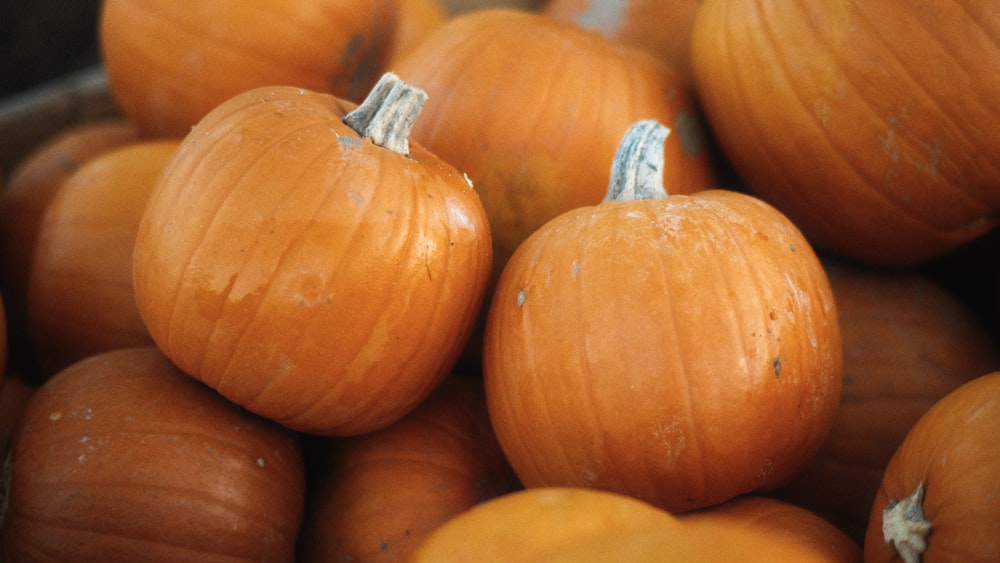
x=637 y=169
x=387 y=115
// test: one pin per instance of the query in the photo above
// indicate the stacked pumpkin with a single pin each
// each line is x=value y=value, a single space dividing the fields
x=314 y=307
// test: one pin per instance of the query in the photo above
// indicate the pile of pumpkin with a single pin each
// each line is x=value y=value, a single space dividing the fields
x=615 y=281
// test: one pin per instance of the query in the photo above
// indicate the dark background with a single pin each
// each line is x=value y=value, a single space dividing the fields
x=43 y=39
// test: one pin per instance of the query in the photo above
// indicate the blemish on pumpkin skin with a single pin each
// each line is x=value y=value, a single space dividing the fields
x=776 y=366
x=348 y=142
x=521 y=296
x=55 y=416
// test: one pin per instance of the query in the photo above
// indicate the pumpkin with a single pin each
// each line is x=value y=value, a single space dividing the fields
x=939 y=499
x=168 y=63
x=781 y=521
x=320 y=274
x=376 y=497
x=22 y=205
x=663 y=27
x=120 y=457
x=682 y=349
x=416 y=19
x=532 y=109
x=907 y=343
x=555 y=524
x=871 y=125
x=80 y=299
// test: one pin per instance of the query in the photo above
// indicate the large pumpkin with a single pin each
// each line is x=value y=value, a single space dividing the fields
x=376 y=497
x=683 y=350
x=80 y=299
x=907 y=343
x=872 y=125
x=120 y=457
x=532 y=109
x=556 y=524
x=304 y=271
x=940 y=495
x=169 y=63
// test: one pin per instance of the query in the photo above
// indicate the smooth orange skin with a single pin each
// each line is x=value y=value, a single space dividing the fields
x=870 y=124
x=27 y=193
x=416 y=19
x=305 y=273
x=683 y=351
x=169 y=63
x=662 y=27
x=952 y=450
x=907 y=343
x=80 y=299
x=533 y=109
x=376 y=497
x=120 y=457
x=573 y=525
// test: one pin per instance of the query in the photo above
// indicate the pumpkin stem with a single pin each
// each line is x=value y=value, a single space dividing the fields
x=637 y=169
x=905 y=528
x=387 y=115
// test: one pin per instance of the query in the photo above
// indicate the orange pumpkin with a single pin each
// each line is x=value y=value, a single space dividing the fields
x=571 y=525
x=27 y=193
x=940 y=495
x=871 y=125
x=120 y=457
x=375 y=497
x=416 y=19
x=532 y=109
x=907 y=343
x=80 y=296
x=320 y=274
x=662 y=27
x=683 y=349
x=169 y=63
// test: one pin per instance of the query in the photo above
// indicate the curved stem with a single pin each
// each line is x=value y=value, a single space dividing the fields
x=905 y=527
x=637 y=169
x=387 y=115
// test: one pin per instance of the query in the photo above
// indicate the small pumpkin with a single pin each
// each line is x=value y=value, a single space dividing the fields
x=533 y=108
x=682 y=349
x=80 y=299
x=303 y=258
x=662 y=27
x=907 y=343
x=939 y=499
x=375 y=497
x=121 y=457
x=871 y=125
x=556 y=524
x=169 y=63
x=27 y=193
